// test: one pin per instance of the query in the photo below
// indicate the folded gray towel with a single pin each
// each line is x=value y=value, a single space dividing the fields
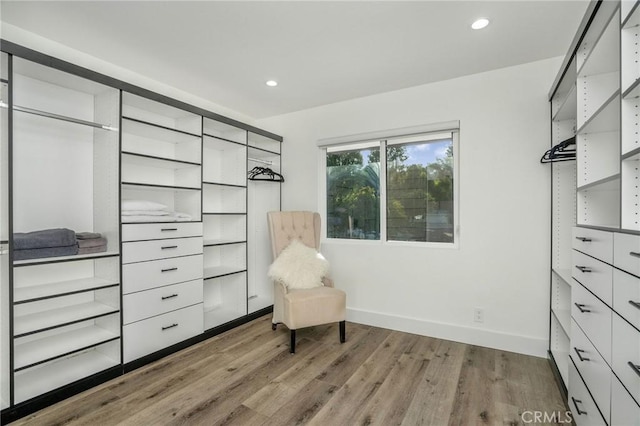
x=93 y=242
x=38 y=253
x=90 y=250
x=87 y=235
x=59 y=237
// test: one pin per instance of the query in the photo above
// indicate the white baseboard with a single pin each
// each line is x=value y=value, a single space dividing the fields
x=470 y=335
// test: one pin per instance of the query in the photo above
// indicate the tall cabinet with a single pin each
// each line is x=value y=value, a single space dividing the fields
x=595 y=279
x=178 y=247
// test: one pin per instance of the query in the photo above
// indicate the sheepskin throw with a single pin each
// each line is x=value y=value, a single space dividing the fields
x=299 y=266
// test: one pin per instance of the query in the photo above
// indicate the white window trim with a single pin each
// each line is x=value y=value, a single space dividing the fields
x=391 y=137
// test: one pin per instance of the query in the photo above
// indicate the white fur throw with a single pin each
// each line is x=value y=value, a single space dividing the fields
x=299 y=266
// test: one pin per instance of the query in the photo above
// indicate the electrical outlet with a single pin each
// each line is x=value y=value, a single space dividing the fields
x=478 y=315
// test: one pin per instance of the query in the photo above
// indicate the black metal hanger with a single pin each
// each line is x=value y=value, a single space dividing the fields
x=265 y=173
x=564 y=151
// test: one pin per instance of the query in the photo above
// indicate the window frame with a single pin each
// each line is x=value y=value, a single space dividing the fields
x=390 y=140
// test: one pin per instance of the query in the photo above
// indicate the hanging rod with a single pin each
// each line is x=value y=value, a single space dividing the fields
x=59 y=117
x=257 y=160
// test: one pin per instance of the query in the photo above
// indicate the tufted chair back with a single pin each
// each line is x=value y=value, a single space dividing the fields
x=290 y=225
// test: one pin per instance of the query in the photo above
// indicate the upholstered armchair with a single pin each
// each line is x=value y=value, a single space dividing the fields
x=303 y=307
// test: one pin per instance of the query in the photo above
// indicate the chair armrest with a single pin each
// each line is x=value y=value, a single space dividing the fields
x=285 y=289
x=327 y=281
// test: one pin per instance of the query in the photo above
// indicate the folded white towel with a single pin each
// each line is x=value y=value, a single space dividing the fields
x=145 y=213
x=141 y=205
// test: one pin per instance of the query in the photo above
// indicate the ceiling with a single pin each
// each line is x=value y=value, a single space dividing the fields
x=320 y=52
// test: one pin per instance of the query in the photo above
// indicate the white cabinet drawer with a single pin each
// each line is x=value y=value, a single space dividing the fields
x=584 y=410
x=626 y=252
x=155 y=231
x=626 y=355
x=624 y=410
x=140 y=251
x=595 y=275
x=626 y=296
x=594 y=318
x=144 y=337
x=145 y=304
x=156 y=273
x=594 y=371
x=598 y=244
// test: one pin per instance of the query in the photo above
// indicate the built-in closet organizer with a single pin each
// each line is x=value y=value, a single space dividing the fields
x=65 y=167
x=5 y=310
x=597 y=355
x=162 y=252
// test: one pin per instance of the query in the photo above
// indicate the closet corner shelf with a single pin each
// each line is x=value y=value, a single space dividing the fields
x=222 y=271
x=59 y=289
x=232 y=185
x=159 y=126
x=606 y=114
x=219 y=242
x=605 y=184
x=151 y=186
x=45 y=260
x=164 y=162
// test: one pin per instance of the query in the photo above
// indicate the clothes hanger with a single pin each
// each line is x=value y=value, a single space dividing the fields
x=265 y=174
x=564 y=151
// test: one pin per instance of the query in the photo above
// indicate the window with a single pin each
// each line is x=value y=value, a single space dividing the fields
x=407 y=184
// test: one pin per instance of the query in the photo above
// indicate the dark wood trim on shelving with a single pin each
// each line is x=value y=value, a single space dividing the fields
x=39 y=402
x=224 y=184
x=160 y=126
x=226 y=274
x=36 y=262
x=225 y=213
x=156 y=186
x=599 y=182
x=223 y=139
x=68 y=293
x=50 y=61
x=155 y=157
x=226 y=243
x=64 y=324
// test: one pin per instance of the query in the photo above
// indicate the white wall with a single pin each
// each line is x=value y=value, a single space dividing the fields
x=502 y=264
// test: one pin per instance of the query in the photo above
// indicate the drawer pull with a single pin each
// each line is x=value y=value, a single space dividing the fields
x=171 y=296
x=584 y=239
x=634 y=367
x=169 y=269
x=575 y=403
x=583 y=269
x=634 y=254
x=168 y=247
x=170 y=326
x=634 y=304
x=581 y=307
x=580 y=352
x=168 y=229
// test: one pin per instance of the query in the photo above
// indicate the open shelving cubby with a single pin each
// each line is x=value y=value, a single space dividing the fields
x=65 y=149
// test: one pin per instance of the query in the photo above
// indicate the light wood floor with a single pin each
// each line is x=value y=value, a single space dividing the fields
x=247 y=377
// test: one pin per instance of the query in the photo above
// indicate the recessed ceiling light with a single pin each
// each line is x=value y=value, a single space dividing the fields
x=480 y=24
x=272 y=83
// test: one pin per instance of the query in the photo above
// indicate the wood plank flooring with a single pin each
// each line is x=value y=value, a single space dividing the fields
x=377 y=377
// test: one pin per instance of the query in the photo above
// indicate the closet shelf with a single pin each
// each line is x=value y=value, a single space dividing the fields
x=564 y=318
x=154 y=187
x=55 y=318
x=155 y=161
x=564 y=275
x=225 y=213
x=221 y=271
x=62 y=117
x=61 y=288
x=633 y=91
x=609 y=183
x=224 y=184
x=567 y=110
x=221 y=242
x=35 y=352
x=223 y=139
x=633 y=18
x=633 y=155
x=60 y=259
x=217 y=315
x=44 y=378
x=605 y=118
x=262 y=150
x=159 y=126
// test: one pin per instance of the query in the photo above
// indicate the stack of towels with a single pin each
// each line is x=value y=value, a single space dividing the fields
x=150 y=211
x=56 y=242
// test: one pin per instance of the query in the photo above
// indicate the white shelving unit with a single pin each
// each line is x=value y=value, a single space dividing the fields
x=5 y=341
x=264 y=196
x=65 y=163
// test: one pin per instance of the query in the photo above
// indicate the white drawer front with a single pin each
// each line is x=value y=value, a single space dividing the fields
x=594 y=318
x=141 y=251
x=624 y=410
x=626 y=352
x=626 y=252
x=145 y=304
x=595 y=275
x=598 y=244
x=156 y=273
x=144 y=337
x=626 y=296
x=595 y=372
x=584 y=410
x=155 y=231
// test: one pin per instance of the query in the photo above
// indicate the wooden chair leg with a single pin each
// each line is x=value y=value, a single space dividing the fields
x=273 y=325
x=342 y=331
x=292 y=348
